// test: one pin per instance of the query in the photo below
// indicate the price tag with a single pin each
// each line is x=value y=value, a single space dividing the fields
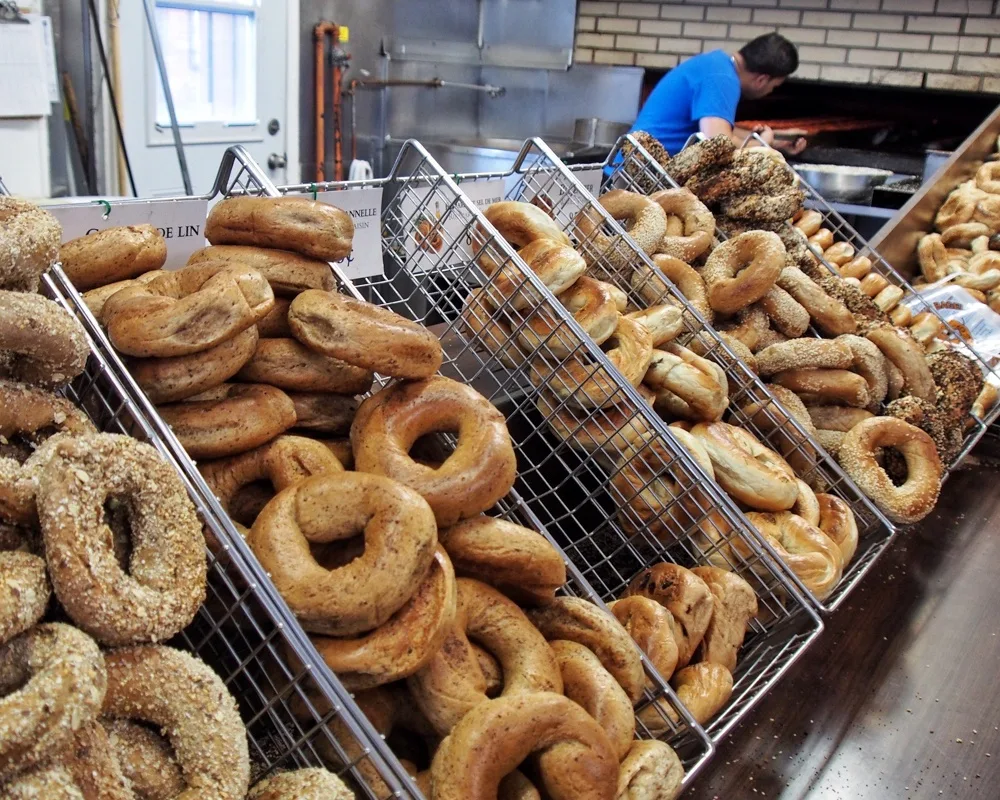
x=180 y=222
x=365 y=207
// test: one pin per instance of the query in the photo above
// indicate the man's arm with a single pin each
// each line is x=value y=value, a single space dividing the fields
x=713 y=126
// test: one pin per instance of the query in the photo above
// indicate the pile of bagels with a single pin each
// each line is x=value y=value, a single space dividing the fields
x=442 y=620
x=842 y=345
x=966 y=237
x=101 y=558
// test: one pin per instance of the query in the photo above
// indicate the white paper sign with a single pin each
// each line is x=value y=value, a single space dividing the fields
x=365 y=207
x=25 y=88
x=440 y=226
x=180 y=222
x=975 y=323
x=551 y=192
x=591 y=179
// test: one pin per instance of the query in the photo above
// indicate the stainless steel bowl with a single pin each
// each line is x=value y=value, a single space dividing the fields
x=844 y=184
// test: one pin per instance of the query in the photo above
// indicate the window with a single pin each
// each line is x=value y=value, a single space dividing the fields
x=210 y=51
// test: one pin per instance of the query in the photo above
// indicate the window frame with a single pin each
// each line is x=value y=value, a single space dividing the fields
x=206 y=132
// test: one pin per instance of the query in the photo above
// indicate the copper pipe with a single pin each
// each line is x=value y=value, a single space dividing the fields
x=338 y=158
x=320 y=32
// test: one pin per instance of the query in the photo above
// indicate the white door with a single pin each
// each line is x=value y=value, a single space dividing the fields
x=229 y=66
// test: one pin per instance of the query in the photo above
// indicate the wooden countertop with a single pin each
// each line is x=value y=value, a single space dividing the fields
x=898 y=698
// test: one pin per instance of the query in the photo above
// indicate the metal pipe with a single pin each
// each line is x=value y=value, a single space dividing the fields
x=320 y=32
x=154 y=34
x=338 y=156
x=90 y=168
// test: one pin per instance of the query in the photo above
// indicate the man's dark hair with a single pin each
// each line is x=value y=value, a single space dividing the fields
x=771 y=54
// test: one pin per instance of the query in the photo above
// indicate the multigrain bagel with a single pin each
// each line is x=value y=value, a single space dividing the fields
x=146 y=759
x=829 y=314
x=167 y=380
x=61 y=680
x=592 y=305
x=588 y=683
x=89 y=764
x=287 y=273
x=184 y=312
x=24 y=593
x=698 y=224
x=229 y=419
x=284 y=461
x=288 y=364
x=516 y=560
x=114 y=254
x=314 y=229
x=324 y=412
x=746 y=469
x=165 y=583
x=302 y=784
x=916 y=497
x=182 y=696
x=479 y=472
x=403 y=644
x=29 y=243
x=650 y=771
x=808 y=552
x=579 y=621
x=742 y=270
x=96 y=298
x=364 y=335
x=40 y=342
x=400 y=537
x=685 y=595
x=451 y=684
x=576 y=760
x=275 y=324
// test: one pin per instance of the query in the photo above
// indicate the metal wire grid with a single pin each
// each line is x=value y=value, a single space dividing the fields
x=639 y=171
x=531 y=362
x=295 y=714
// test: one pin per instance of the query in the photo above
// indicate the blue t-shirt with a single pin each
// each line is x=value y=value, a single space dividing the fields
x=703 y=86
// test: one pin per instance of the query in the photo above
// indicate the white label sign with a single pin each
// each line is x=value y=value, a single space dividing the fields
x=365 y=207
x=180 y=222
x=591 y=179
x=443 y=227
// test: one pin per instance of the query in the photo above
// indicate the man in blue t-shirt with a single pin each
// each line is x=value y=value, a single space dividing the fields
x=701 y=94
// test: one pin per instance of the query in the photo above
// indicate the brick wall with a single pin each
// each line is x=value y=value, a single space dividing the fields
x=936 y=44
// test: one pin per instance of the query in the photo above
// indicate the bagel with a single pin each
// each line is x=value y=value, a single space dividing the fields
x=580 y=621
x=556 y=265
x=479 y=472
x=517 y=561
x=933 y=257
x=522 y=223
x=821 y=240
x=746 y=469
x=752 y=324
x=759 y=208
x=717 y=151
x=400 y=536
x=957 y=208
x=641 y=218
x=287 y=364
x=652 y=628
x=19 y=479
x=773 y=419
x=873 y=283
x=959 y=381
x=961 y=236
x=925 y=326
x=808 y=552
x=146 y=760
x=167 y=380
x=801 y=354
x=826 y=385
x=787 y=314
x=183 y=697
x=650 y=771
x=916 y=497
x=703 y=689
x=592 y=305
x=806 y=505
x=275 y=324
x=302 y=784
x=586 y=682
x=96 y=298
x=890 y=296
x=697 y=224
x=230 y=419
x=839 y=253
x=364 y=335
x=451 y=684
x=828 y=313
x=114 y=254
x=653 y=290
x=40 y=342
x=310 y=228
x=576 y=760
x=286 y=272
x=856 y=268
x=24 y=593
x=61 y=680
x=284 y=461
x=735 y=606
x=403 y=644
x=29 y=243
x=664 y=322
x=810 y=222
x=837 y=418
x=907 y=356
x=837 y=521
x=587 y=385
x=830 y=441
x=687 y=385
x=164 y=586
x=742 y=270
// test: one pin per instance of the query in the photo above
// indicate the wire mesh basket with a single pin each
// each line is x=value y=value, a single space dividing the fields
x=296 y=714
x=632 y=166
x=504 y=334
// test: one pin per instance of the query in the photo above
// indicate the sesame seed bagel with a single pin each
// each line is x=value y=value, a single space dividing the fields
x=742 y=270
x=24 y=592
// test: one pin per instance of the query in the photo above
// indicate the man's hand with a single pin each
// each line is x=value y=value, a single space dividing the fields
x=792 y=148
